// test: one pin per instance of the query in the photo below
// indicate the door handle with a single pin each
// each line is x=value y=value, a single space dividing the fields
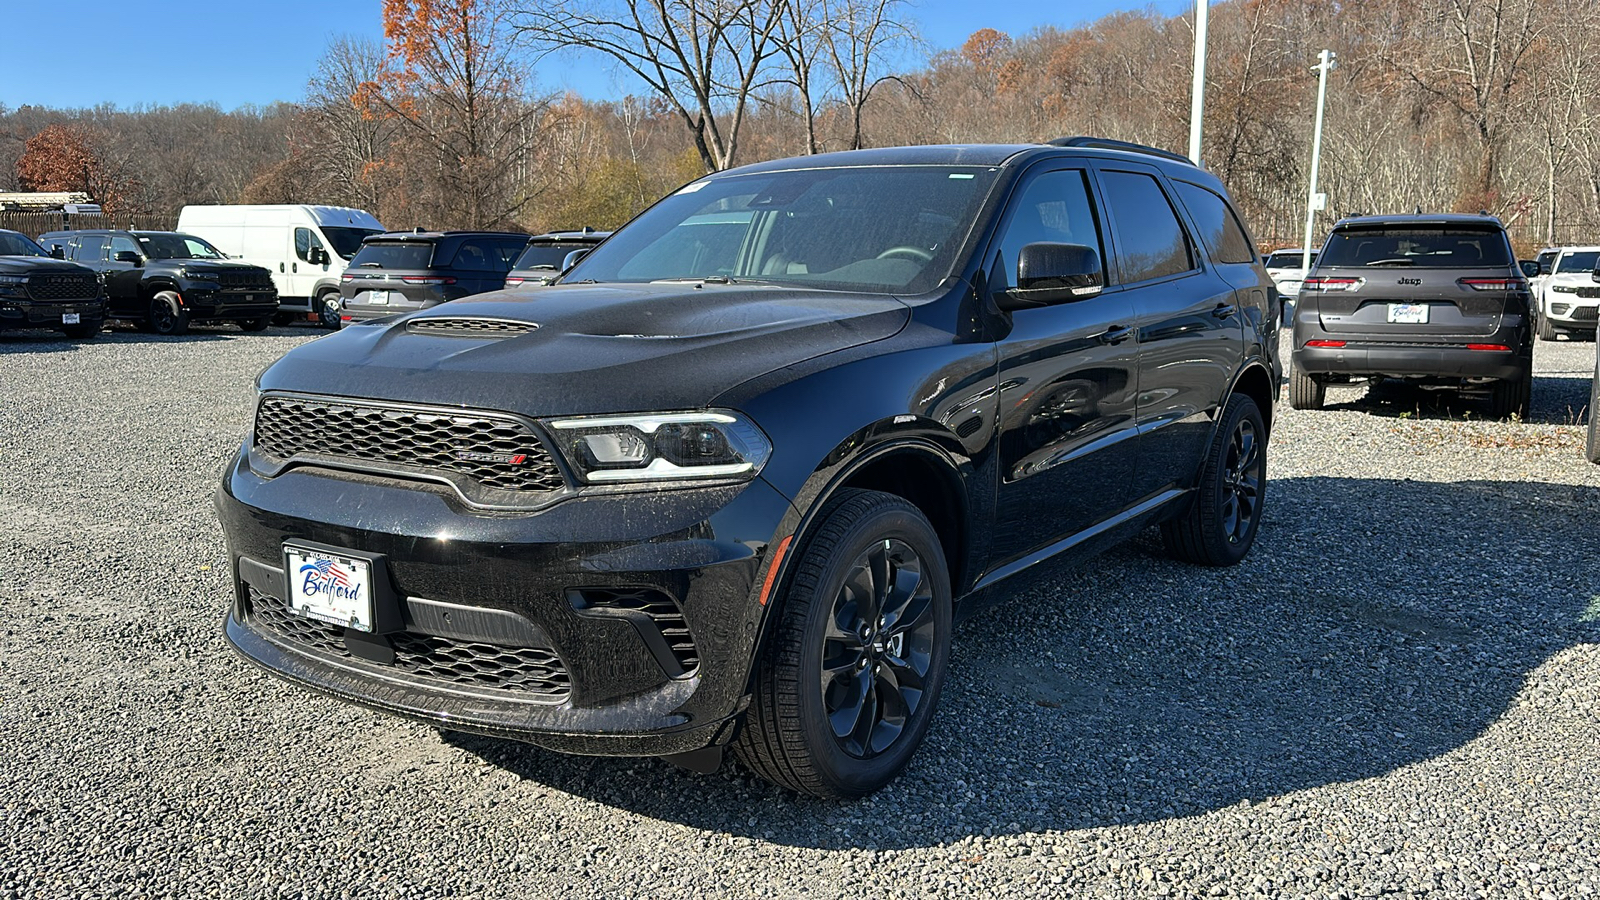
x=1224 y=310
x=294 y=267
x=280 y=267
x=1115 y=335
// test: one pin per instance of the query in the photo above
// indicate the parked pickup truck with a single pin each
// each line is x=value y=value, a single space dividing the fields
x=163 y=280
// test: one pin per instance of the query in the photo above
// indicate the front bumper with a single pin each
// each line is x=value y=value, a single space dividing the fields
x=230 y=304
x=16 y=313
x=1573 y=313
x=470 y=588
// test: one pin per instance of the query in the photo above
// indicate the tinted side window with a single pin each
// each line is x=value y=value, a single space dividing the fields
x=1223 y=235
x=1150 y=242
x=90 y=248
x=506 y=251
x=121 y=243
x=1052 y=208
x=304 y=240
x=475 y=256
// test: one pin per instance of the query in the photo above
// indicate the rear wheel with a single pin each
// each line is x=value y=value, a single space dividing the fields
x=848 y=682
x=167 y=315
x=1220 y=526
x=254 y=324
x=1512 y=397
x=1305 y=392
x=327 y=306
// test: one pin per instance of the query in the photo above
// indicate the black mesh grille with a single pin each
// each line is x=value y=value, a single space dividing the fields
x=525 y=670
x=66 y=286
x=662 y=611
x=497 y=453
x=243 y=278
x=478 y=328
x=1585 y=314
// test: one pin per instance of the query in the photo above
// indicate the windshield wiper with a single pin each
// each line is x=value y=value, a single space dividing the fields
x=1397 y=261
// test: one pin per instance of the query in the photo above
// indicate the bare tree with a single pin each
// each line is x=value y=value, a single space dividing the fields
x=861 y=35
x=704 y=57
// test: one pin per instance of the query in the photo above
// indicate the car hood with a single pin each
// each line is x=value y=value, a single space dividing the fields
x=600 y=348
x=38 y=265
x=207 y=267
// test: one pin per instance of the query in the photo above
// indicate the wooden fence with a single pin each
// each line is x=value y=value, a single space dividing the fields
x=34 y=223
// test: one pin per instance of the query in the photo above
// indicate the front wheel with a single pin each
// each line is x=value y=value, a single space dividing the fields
x=1591 y=447
x=85 y=331
x=167 y=315
x=1221 y=524
x=1547 y=331
x=848 y=681
x=254 y=324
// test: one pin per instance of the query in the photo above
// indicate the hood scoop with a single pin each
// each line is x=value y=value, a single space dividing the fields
x=459 y=326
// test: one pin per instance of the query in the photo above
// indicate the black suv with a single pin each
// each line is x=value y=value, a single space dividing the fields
x=37 y=291
x=405 y=271
x=1436 y=300
x=546 y=255
x=164 y=280
x=731 y=479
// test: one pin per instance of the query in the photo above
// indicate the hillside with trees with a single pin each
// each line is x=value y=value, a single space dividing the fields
x=1442 y=104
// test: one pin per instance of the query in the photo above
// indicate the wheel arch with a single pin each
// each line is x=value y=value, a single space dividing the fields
x=1255 y=382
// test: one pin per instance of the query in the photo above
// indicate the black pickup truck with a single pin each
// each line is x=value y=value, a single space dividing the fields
x=163 y=280
x=39 y=292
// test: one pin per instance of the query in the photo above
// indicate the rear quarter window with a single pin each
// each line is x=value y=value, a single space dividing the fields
x=1438 y=247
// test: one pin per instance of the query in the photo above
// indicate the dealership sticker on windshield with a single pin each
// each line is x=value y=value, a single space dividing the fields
x=1408 y=313
x=329 y=587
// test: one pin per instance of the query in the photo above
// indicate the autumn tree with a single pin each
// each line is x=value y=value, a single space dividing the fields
x=65 y=158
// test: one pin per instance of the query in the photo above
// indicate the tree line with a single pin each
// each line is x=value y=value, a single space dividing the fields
x=1440 y=104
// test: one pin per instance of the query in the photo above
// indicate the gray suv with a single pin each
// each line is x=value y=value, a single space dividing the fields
x=1435 y=300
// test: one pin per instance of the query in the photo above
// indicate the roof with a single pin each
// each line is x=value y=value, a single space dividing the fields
x=1419 y=219
x=436 y=235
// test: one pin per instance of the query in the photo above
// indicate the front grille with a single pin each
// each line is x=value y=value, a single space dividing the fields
x=524 y=670
x=1585 y=314
x=478 y=328
x=237 y=279
x=67 y=286
x=659 y=607
x=495 y=452
x=1589 y=293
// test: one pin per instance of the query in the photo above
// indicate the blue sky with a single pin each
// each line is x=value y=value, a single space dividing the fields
x=238 y=52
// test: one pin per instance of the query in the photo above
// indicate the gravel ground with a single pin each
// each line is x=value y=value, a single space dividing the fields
x=1395 y=693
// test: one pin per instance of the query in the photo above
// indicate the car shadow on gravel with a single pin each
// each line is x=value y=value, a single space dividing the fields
x=1378 y=623
x=1557 y=400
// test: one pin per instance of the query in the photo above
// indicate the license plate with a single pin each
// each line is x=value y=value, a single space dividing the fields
x=378 y=297
x=249 y=298
x=69 y=318
x=1408 y=313
x=329 y=587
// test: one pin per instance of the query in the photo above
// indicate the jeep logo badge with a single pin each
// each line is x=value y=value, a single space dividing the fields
x=1409 y=281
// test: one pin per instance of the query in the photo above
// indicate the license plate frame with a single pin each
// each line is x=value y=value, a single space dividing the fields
x=330 y=586
x=378 y=298
x=1408 y=314
x=71 y=318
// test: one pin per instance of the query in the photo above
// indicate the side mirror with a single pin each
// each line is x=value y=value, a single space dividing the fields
x=58 y=251
x=1051 y=273
x=573 y=257
x=1530 y=269
x=1595 y=276
x=319 y=256
x=128 y=256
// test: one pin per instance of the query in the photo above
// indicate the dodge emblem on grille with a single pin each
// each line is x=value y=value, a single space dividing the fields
x=509 y=459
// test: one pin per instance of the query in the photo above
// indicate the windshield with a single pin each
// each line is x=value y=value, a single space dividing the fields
x=177 y=246
x=1578 y=261
x=1288 y=259
x=1439 y=246
x=546 y=256
x=18 y=245
x=393 y=255
x=881 y=229
x=346 y=241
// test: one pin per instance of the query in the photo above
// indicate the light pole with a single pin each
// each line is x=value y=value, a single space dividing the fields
x=1197 y=98
x=1324 y=65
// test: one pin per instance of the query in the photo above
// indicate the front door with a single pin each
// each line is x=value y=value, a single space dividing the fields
x=1067 y=379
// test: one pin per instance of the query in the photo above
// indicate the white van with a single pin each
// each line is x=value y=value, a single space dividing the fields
x=306 y=248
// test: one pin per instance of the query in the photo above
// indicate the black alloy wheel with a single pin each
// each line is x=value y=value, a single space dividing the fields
x=847 y=683
x=1220 y=525
x=878 y=649
x=167 y=315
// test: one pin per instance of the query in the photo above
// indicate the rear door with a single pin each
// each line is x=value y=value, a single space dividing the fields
x=1408 y=281
x=1191 y=336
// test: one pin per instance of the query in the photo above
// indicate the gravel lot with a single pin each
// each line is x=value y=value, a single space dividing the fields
x=1397 y=692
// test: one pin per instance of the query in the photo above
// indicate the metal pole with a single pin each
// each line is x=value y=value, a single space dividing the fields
x=1197 y=98
x=1324 y=66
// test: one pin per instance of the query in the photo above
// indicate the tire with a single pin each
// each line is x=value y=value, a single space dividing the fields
x=1547 y=332
x=791 y=731
x=1220 y=526
x=85 y=331
x=329 y=317
x=1513 y=396
x=254 y=324
x=282 y=318
x=1591 y=447
x=166 y=315
x=1305 y=392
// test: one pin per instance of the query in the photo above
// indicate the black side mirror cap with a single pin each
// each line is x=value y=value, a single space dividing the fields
x=1052 y=273
x=1530 y=269
x=58 y=251
x=128 y=256
x=572 y=258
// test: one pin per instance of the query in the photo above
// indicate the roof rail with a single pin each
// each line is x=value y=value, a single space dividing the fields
x=1095 y=143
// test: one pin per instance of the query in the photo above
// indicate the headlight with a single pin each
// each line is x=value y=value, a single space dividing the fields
x=653 y=447
x=12 y=284
x=1564 y=288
